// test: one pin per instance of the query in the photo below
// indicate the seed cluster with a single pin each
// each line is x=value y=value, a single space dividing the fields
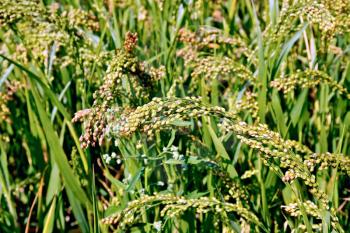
x=216 y=67
x=340 y=10
x=127 y=81
x=11 y=11
x=160 y=114
x=273 y=148
x=326 y=160
x=227 y=70
x=6 y=96
x=314 y=12
x=310 y=208
x=173 y=206
x=307 y=79
x=248 y=103
x=46 y=31
x=235 y=189
x=222 y=69
x=209 y=38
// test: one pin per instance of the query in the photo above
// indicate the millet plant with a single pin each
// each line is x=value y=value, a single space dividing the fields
x=193 y=116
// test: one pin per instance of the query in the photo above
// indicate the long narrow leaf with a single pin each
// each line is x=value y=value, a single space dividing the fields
x=59 y=155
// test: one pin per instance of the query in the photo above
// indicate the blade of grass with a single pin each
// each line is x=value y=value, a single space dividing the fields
x=5 y=183
x=220 y=149
x=298 y=107
x=50 y=217
x=77 y=211
x=285 y=50
x=58 y=154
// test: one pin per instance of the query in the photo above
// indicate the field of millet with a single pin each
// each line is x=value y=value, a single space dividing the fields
x=174 y=116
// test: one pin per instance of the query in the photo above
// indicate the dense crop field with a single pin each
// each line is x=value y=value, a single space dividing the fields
x=174 y=116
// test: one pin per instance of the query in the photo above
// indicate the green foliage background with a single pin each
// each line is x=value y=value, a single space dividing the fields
x=194 y=116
